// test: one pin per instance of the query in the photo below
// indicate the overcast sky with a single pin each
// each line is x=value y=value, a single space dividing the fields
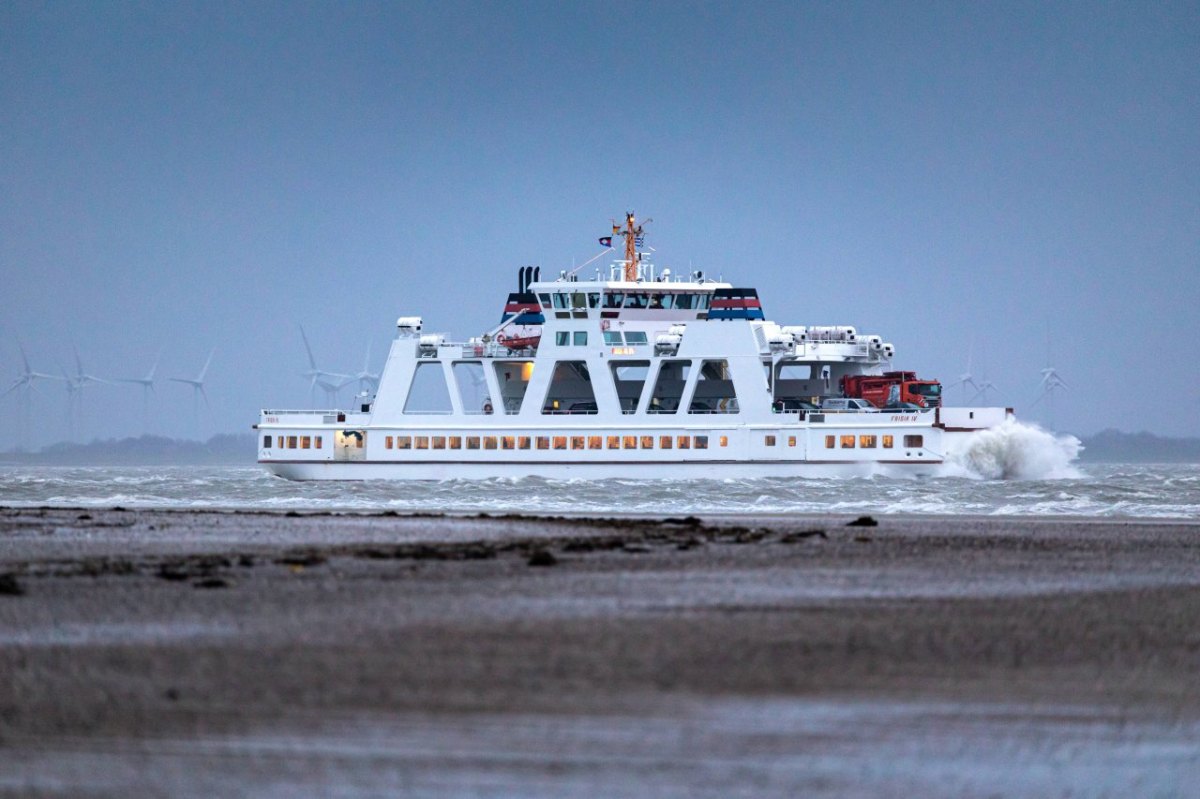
x=1014 y=182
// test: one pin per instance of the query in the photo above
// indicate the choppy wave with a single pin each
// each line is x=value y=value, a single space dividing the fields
x=1040 y=484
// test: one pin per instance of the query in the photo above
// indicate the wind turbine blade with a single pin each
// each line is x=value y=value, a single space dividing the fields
x=11 y=389
x=24 y=357
x=312 y=362
x=204 y=395
x=154 y=368
x=204 y=371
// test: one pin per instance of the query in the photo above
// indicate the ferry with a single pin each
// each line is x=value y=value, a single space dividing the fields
x=638 y=373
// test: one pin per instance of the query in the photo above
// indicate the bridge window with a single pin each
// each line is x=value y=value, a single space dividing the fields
x=683 y=301
x=714 y=389
x=614 y=299
x=560 y=301
x=428 y=393
x=570 y=389
x=914 y=442
x=637 y=300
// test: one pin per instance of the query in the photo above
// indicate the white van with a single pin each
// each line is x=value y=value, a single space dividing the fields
x=843 y=404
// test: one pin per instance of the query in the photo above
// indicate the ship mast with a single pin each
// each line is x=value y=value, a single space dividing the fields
x=633 y=234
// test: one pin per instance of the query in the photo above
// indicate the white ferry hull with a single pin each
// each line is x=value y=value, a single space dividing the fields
x=652 y=470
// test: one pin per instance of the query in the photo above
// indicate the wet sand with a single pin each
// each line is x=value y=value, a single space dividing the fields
x=203 y=653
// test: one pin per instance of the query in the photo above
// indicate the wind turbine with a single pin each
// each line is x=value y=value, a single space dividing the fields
x=147 y=384
x=24 y=384
x=1051 y=383
x=331 y=382
x=368 y=381
x=75 y=386
x=967 y=379
x=197 y=384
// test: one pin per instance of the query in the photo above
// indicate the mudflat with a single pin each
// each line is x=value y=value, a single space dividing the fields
x=183 y=653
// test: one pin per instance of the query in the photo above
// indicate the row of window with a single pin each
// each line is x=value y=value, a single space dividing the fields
x=296 y=442
x=550 y=442
x=578 y=300
x=872 y=441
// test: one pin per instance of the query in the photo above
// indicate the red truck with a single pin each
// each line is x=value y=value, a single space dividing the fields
x=893 y=388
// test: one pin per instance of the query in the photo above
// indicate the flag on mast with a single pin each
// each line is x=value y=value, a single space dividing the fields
x=606 y=241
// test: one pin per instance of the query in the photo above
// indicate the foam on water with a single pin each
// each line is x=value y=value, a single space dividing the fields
x=1039 y=480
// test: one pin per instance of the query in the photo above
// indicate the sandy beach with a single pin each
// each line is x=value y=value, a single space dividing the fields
x=179 y=653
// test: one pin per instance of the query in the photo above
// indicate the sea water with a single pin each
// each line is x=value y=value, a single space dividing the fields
x=1015 y=469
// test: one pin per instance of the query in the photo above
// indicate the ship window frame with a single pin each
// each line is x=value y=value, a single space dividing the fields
x=317 y=442
x=403 y=442
x=724 y=441
x=647 y=442
x=684 y=442
x=579 y=338
x=560 y=442
x=472 y=442
x=629 y=442
x=595 y=442
x=305 y=442
x=508 y=442
x=490 y=442
x=420 y=391
x=768 y=441
x=699 y=442
x=562 y=338
x=613 y=338
x=665 y=442
x=560 y=301
x=454 y=442
x=889 y=441
x=868 y=441
x=830 y=442
x=636 y=338
x=291 y=442
x=791 y=441
x=267 y=442
x=388 y=441
x=543 y=442
x=914 y=441
x=420 y=442
x=437 y=442
x=523 y=442
x=848 y=441
x=613 y=442
x=578 y=442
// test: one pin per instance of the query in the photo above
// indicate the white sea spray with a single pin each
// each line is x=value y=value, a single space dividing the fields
x=1016 y=450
